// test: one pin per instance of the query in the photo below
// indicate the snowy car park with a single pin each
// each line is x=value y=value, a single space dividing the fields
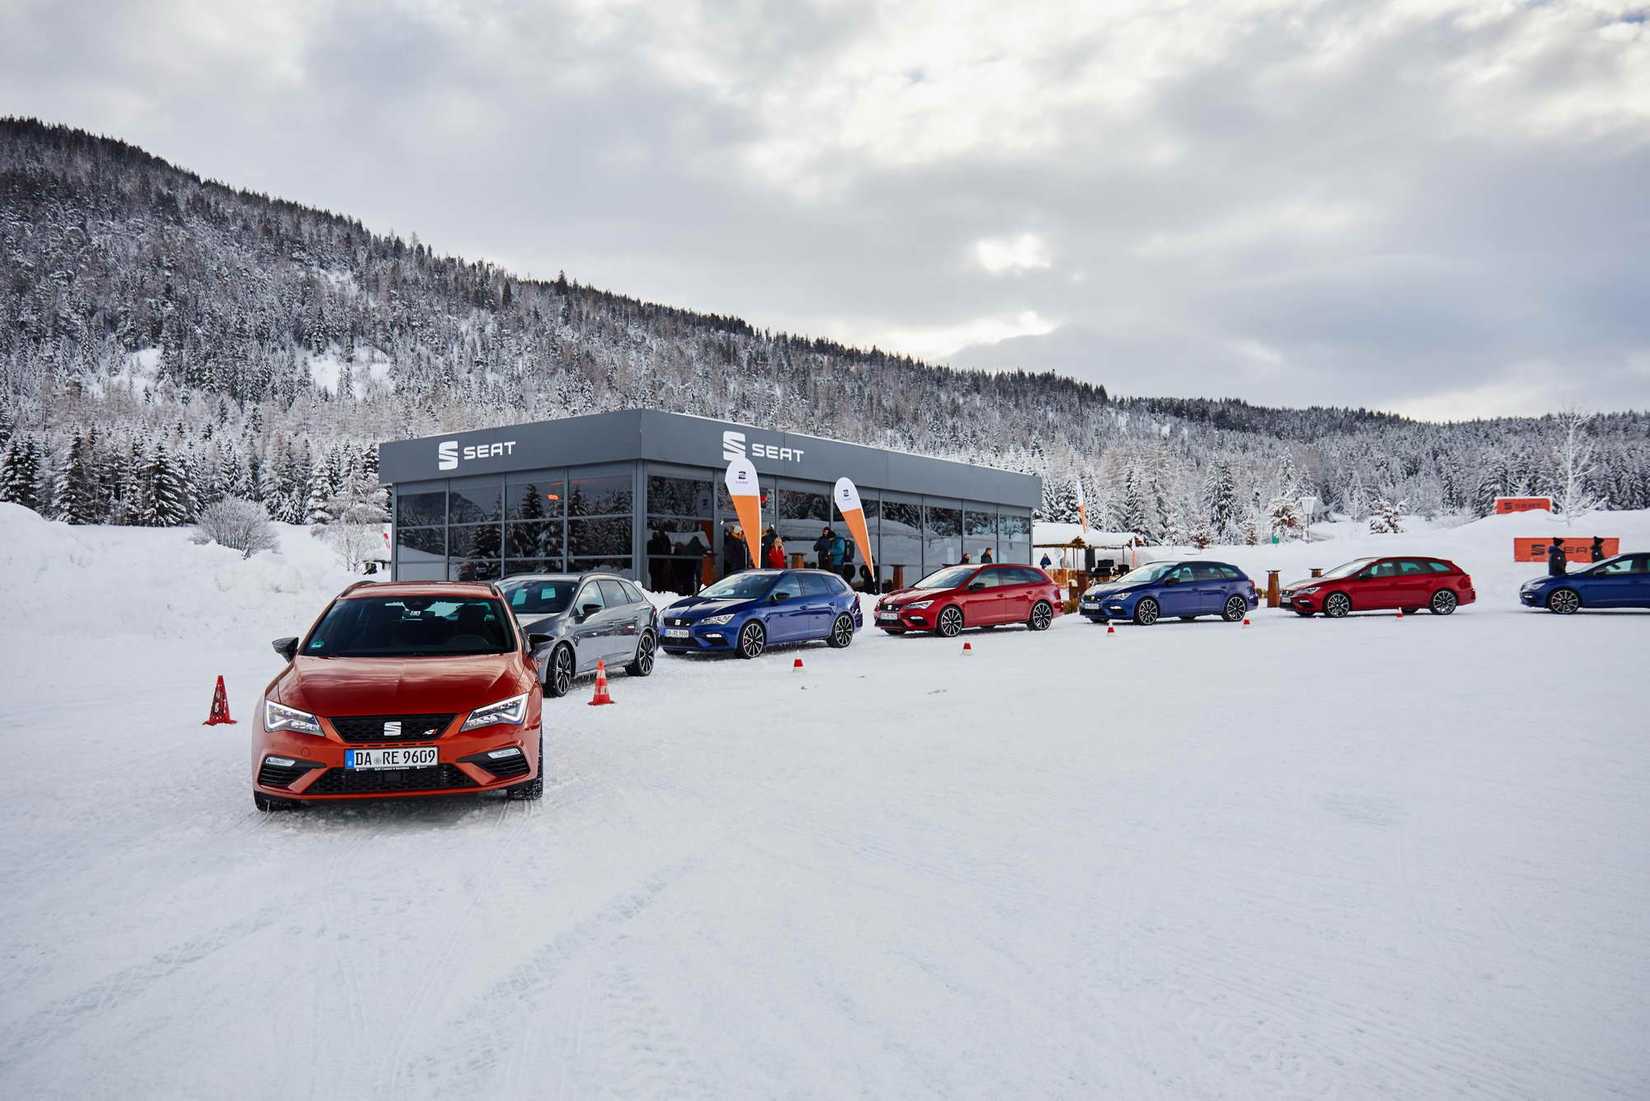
x=1367 y=856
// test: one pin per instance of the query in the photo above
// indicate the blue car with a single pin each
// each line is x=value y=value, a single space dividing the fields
x=748 y=612
x=1184 y=589
x=1619 y=582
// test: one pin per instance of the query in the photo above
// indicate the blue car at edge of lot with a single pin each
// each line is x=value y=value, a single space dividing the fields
x=1619 y=582
x=1182 y=589
x=747 y=612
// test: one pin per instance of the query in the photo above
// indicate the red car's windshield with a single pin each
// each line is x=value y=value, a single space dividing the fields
x=948 y=578
x=1346 y=569
x=399 y=627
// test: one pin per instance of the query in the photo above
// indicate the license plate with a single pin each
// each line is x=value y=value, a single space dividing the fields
x=423 y=756
x=883 y=617
x=676 y=632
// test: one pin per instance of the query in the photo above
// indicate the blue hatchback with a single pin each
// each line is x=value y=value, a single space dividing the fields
x=748 y=612
x=1619 y=582
x=1184 y=589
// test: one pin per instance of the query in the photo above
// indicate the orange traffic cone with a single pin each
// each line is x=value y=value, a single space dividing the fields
x=968 y=647
x=601 y=695
x=797 y=664
x=1246 y=621
x=1110 y=630
x=1400 y=613
x=220 y=706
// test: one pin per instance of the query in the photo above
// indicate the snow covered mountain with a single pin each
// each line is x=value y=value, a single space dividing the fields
x=165 y=341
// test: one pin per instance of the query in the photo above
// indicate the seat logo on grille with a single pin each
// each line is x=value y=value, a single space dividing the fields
x=392 y=729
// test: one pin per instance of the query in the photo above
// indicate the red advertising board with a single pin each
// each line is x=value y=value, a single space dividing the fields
x=1504 y=505
x=1533 y=548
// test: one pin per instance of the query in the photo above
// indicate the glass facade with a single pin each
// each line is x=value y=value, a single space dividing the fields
x=678 y=537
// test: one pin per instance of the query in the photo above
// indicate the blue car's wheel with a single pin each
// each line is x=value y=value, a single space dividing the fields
x=1145 y=611
x=1563 y=601
x=842 y=632
x=753 y=639
x=1236 y=608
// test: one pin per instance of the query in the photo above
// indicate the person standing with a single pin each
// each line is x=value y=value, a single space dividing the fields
x=1557 y=564
x=776 y=552
x=985 y=557
x=1598 y=548
x=1046 y=562
x=733 y=551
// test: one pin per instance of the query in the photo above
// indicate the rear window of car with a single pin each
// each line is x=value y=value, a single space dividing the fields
x=1230 y=573
x=1438 y=567
x=635 y=594
x=1027 y=575
x=613 y=593
x=1411 y=566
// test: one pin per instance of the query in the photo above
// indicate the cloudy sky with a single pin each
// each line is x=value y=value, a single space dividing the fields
x=1435 y=207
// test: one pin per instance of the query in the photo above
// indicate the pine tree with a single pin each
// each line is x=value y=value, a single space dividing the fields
x=74 y=497
x=165 y=492
x=20 y=474
x=1386 y=517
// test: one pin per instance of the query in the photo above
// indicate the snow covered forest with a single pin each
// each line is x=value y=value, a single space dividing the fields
x=167 y=342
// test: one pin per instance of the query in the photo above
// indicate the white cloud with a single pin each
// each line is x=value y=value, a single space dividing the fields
x=1012 y=255
x=938 y=342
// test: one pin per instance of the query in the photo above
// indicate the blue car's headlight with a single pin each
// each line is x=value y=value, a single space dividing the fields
x=717 y=620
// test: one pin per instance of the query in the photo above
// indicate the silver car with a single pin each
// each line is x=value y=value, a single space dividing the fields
x=574 y=620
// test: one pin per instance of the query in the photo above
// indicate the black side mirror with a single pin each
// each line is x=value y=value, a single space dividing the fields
x=976 y=586
x=1171 y=581
x=779 y=596
x=286 y=647
x=588 y=610
x=535 y=641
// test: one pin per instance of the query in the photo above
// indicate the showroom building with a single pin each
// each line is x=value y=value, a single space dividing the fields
x=641 y=493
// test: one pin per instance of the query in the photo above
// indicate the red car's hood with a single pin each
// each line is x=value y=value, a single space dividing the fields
x=908 y=596
x=400 y=686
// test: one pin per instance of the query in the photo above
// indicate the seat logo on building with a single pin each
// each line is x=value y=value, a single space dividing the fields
x=448 y=454
x=734 y=446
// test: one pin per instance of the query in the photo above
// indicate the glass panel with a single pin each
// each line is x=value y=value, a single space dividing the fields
x=535 y=498
x=613 y=594
x=679 y=554
x=678 y=496
x=474 y=500
x=533 y=540
x=593 y=538
x=532 y=565
x=599 y=495
x=473 y=569
x=979 y=535
x=423 y=571
x=942 y=535
x=616 y=564
x=1013 y=536
x=417 y=506
x=804 y=512
x=724 y=502
x=476 y=541
x=900 y=527
x=421 y=546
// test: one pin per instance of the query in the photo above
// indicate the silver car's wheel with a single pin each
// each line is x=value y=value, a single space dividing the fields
x=1443 y=602
x=753 y=639
x=1337 y=605
x=842 y=632
x=1146 y=612
x=646 y=649
x=1563 y=601
x=1041 y=616
x=950 y=622
x=1236 y=608
x=558 y=679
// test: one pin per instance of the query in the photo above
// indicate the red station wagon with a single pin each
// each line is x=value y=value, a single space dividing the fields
x=1407 y=582
x=955 y=597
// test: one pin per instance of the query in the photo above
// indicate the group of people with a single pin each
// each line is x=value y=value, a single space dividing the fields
x=1558 y=562
x=831 y=552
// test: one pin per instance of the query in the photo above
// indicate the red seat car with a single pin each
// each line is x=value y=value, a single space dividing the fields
x=1407 y=582
x=401 y=689
x=950 y=599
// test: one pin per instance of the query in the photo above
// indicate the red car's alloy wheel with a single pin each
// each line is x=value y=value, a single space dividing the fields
x=1041 y=616
x=950 y=623
x=1443 y=602
x=1336 y=605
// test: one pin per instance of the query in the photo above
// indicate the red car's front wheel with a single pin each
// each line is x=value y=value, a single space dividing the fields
x=950 y=622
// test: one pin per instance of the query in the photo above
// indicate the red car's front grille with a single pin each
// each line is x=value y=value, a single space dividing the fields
x=360 y=729
x=347 y=781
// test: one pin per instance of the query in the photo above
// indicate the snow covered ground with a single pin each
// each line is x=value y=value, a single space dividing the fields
x=1408 y=858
